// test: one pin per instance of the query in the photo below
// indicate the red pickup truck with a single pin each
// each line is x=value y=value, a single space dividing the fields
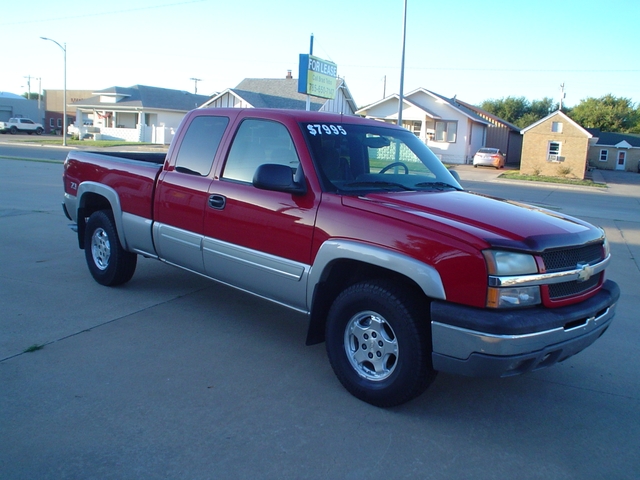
x=357 y=224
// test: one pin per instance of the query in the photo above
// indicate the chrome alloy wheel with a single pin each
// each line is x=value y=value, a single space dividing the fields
x=371 y=346
x=100 y=248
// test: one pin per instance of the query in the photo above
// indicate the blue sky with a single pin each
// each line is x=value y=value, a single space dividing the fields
x=474 y=49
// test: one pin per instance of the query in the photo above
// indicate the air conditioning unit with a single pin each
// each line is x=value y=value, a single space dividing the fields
x=552 y=158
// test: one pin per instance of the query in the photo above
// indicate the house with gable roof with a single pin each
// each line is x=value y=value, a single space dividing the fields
x=452 y=131
x=136 y=114
x=614 y=151
x=281 y=93
x=556 y=146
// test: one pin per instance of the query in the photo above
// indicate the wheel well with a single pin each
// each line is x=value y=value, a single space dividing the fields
x=90 y=202
x=340 y=275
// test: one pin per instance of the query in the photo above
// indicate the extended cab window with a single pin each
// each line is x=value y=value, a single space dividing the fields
x=258 y=142
x=200 y=144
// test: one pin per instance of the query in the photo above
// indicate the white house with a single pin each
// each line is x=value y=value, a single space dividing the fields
x=281 y=93
x=452 y=131
x=135 y=114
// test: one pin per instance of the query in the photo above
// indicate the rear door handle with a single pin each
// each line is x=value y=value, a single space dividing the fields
x=217 y=201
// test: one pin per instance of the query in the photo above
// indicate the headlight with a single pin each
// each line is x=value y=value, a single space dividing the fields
x=509 y=297
x=507 y=264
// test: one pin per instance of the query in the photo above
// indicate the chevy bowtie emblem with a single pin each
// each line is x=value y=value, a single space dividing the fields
x=585 y=271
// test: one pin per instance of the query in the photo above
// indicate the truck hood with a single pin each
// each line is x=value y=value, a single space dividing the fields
x=500 y=223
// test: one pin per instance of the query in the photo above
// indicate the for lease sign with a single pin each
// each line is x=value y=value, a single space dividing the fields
x=317 y=77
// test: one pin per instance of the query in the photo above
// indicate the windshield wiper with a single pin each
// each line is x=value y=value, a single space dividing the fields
x=437 y=185
x=377 y=184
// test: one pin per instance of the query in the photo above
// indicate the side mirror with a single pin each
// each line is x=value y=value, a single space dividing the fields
x=455 y=175
x=279 y=178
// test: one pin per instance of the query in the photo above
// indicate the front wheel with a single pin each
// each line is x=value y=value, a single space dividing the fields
x=108 y=262
x=13 y=130
x=377 y=339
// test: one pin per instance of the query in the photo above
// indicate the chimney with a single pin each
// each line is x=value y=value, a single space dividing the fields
x=289 y=76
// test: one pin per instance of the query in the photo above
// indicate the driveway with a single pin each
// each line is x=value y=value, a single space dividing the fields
x=173 y=376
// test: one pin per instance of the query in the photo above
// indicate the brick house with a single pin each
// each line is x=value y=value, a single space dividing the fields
x=555 y=146
x=615 y=151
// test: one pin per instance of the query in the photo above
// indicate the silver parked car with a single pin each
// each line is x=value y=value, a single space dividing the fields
x=489 y=157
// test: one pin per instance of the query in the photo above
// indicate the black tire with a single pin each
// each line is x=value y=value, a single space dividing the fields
x=108 y=262
x=39 y=131
x=378 y=343
x=13 y=130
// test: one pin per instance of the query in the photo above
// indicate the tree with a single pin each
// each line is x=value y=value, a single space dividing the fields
x=518 y=110
x=608 y=113
x=31 y=96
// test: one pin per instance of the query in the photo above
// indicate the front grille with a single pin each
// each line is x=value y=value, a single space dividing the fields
x=569 y=289
x=569 y=259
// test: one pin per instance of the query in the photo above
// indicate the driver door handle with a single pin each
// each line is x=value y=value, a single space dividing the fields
x=217 y=201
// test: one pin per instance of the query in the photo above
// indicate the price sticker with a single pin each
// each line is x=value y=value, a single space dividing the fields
x=324 y=129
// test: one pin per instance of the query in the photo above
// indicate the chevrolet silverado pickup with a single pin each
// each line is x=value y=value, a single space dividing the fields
x=357 y=224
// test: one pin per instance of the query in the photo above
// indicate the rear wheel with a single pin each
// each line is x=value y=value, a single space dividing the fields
x=39 y=131
x=377 y=339
x=108 y=262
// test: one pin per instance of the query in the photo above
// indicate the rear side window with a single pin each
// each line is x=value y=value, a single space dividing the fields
x=200 y=144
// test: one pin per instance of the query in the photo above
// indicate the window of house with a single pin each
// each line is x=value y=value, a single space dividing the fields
x=556 y=127
x=412 y=126
x=446 y=131
x=553 y=152
x=604 y=155
x=52 y=123
x=59 y=122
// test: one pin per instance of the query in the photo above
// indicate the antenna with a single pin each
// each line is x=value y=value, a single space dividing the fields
x=563 y=95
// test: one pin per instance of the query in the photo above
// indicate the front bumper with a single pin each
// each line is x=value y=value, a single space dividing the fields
x=500 y=343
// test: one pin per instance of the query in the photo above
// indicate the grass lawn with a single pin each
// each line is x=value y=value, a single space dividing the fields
x=516 y=175
x=49 y=140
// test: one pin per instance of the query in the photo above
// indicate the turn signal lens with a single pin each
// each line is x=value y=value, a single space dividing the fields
x=513 y=297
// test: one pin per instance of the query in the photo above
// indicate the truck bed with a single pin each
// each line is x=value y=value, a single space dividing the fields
x=132 y=174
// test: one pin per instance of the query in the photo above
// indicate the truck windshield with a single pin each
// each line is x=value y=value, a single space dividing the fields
x=359 y=159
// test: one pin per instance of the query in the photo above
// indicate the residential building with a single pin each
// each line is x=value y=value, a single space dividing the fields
x=281 y=93
x=555 y=146
x=615 y=151
x=452 y=131
x=136 y=114
x=500 y=134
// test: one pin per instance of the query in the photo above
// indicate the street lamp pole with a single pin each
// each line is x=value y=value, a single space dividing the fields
x=64 y=94
x=404 y=41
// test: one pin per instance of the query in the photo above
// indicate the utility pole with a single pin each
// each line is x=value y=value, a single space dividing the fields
x=28 y=77
x=195 y=88
x=562 y=95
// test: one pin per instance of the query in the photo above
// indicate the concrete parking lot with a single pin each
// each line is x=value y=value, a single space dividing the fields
x=173 y=376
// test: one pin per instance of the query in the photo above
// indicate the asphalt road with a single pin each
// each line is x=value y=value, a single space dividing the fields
x=173 y=376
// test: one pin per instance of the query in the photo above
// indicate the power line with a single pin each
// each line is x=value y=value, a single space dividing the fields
x=86 y=15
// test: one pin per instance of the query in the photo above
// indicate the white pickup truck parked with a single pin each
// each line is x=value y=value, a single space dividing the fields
x=15 y=125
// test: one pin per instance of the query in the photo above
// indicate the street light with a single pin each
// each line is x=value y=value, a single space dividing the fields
x=404 y=41
x=64 y=95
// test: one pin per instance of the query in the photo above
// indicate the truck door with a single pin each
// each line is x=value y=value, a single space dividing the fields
x=256 y=239
x=182 y=194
